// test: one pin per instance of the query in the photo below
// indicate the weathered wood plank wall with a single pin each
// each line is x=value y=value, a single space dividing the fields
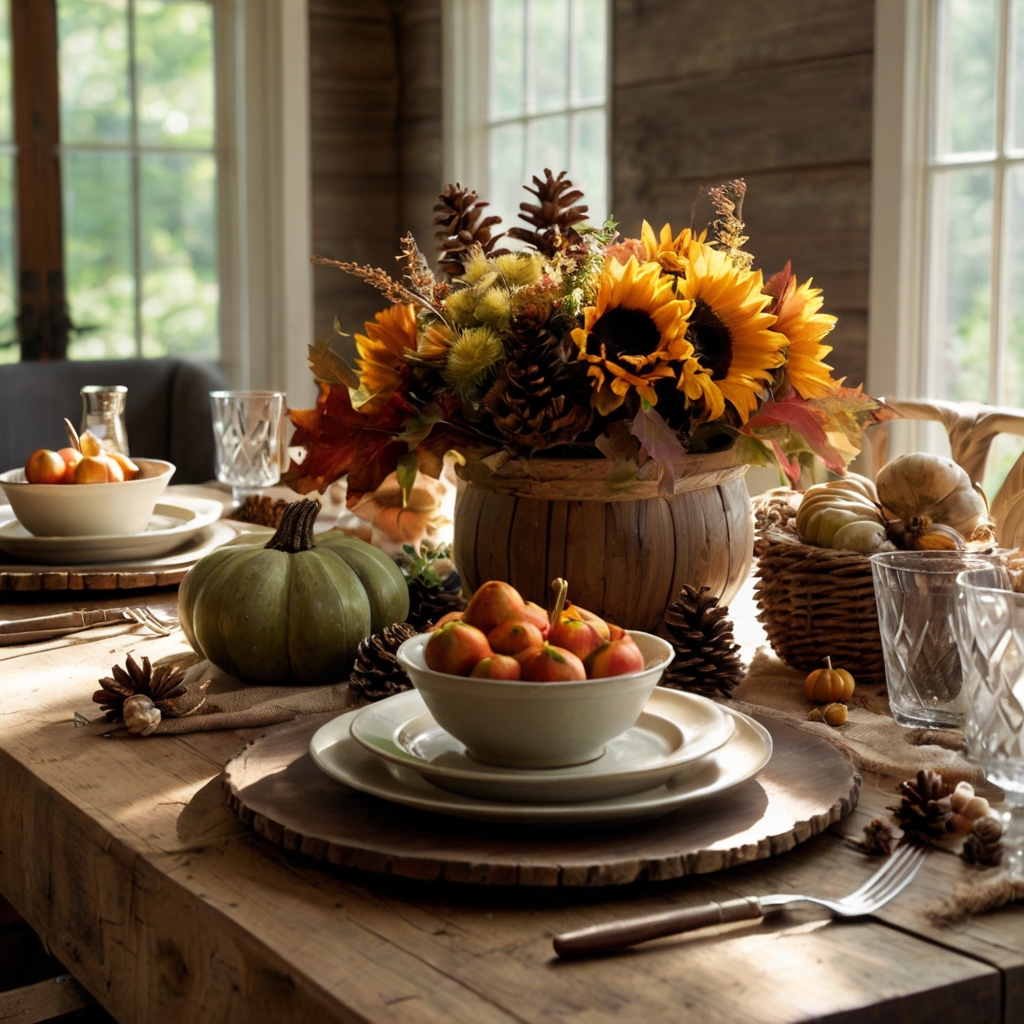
x=779 y=94
x=701 y=92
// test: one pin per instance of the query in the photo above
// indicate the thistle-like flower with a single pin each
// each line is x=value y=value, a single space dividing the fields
x=471 y=358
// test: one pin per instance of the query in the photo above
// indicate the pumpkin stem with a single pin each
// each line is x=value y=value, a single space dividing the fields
x=828 y=661
x=295 y=533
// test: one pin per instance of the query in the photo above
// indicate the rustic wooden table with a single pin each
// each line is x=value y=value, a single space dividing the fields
x=122 y=854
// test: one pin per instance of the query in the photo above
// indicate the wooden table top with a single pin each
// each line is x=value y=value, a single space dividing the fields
x=123 y=855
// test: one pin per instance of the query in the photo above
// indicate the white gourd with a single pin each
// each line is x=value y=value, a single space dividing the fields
x=862 y=536
x=922 y=489
x=827 y=508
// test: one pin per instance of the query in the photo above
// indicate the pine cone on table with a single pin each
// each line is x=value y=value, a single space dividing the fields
x=984 y=846
x=376 y=673
x=925 y=808
x=429 y=603
x=555 y=217
x=260 y=510
x=876 y=841
x=459 y=217
x=542 y=395
x=707 y=658
x=163 y=686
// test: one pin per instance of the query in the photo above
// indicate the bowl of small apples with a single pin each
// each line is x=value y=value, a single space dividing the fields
x=524 y=689
x=85 y=490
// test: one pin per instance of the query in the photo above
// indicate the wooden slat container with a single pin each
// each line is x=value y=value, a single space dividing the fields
x=626 y=552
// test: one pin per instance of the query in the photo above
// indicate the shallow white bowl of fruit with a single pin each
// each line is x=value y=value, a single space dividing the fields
x=85 y=492
x=523 y=692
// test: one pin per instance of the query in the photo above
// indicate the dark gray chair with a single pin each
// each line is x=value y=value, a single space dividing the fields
x=167 y=412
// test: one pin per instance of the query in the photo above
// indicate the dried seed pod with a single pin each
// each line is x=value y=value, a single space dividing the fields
x=835 y=714
x=961 y=795
x=816 y=715
x=141 y=715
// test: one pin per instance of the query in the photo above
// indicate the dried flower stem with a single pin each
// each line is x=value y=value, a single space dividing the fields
x=383 y=282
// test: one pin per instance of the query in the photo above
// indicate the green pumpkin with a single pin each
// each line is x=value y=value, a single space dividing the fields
x=293 y=611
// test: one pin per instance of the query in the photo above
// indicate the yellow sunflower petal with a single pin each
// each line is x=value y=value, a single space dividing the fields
x=799 y=319
x=381 y=362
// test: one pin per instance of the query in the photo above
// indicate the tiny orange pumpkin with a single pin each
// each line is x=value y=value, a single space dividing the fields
x=827 y=685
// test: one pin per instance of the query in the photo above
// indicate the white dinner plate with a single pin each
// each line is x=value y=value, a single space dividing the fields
x=174 y=523
x=742 y=756
x=673 y=730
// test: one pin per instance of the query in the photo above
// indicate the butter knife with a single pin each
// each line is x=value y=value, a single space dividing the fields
x=44 y=627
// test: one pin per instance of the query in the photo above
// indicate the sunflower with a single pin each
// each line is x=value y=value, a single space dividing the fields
x=636 y=328
x=382 y=352
x=665 y=250
x=799 y=320
x=735 y=348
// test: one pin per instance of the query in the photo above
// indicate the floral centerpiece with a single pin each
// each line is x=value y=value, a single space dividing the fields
x=582 y=344
x=639 y=353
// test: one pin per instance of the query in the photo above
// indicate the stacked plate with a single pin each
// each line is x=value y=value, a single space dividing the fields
x=682 y=749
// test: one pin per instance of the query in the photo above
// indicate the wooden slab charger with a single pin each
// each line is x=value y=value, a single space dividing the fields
x=165 y=571
x=274 y=786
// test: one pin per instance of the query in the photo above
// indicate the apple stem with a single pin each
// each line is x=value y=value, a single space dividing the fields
x=73 y=437
x=562 y=589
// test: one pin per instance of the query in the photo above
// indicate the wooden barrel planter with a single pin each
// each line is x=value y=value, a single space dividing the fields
x=625 y=551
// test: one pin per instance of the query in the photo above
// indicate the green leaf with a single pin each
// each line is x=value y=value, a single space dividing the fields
x=408 y=467
x=329 y=367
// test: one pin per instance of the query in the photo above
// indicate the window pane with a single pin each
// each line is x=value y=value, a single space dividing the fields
x=94 y=97
x=1016 y=58
x=507 y=56
x=507 y=170
x=179 y=256
x=174 y=72
x=98 y=254
x=9 y=350
x=589 y=161
x=966 y=73
x=959 y=284
x=1005 y=450
x=1013 y=283
x=547 y=145
x=548 y=67
x=6 y=129
x=590 y=50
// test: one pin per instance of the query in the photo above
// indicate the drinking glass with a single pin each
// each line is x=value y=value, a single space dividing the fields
x=915 y=592
x=990 y=636
x=247 y=429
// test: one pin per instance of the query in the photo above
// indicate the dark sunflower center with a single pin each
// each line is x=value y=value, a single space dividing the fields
x=711 y=340
x=625 y=332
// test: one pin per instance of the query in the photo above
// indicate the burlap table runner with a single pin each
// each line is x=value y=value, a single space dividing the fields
x=870 y=735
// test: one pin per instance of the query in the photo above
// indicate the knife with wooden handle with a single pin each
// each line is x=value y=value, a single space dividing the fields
x=44 y=627
x=600 y=938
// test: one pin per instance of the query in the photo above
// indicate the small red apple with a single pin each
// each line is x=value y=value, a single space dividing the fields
x=615 y=658
x=456 y=648
x=494 y=602
x=72 y=457
x=498 y=666
x=512 y=636
x=548 y=664
x=445 y=619
x=574 y=611
x=575 y=635
x=44 y=467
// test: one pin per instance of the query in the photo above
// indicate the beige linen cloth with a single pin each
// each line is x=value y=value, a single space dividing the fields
x=870 y=736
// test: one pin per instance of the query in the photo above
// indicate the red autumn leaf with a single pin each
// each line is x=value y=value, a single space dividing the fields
x=339 y=439
x=804 y=419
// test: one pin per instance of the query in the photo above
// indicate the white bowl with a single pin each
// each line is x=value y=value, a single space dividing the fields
x=87 y=510
x=536 y=725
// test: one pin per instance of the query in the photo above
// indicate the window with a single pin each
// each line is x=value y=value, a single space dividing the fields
x=8 y=333
x=949 y=191
x=526 y=89
x=139 y=177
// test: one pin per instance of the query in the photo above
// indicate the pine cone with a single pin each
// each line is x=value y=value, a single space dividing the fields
x=984 y=846
x=427 y=604
x=707 y=659
x=877 y=841
x=377 y=673
x=554 y=218
x=925 y=808
x=260 y=510
x=542 y=396
x=459 y=212
x=163 y=685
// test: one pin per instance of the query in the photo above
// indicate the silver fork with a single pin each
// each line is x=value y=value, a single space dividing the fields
x=145 y=617
x=890 y=879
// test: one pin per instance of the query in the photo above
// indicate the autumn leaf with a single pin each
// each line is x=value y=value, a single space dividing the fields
x=329 y=368
x=340 y=440
x=662 y=444
x=793 y=425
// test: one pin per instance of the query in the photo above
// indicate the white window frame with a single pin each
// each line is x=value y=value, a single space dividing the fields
x=264 y=195
x=900 y=255
x=466 y=94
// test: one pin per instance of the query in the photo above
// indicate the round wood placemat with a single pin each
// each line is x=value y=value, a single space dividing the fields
x=274 y=786
x=165 y=571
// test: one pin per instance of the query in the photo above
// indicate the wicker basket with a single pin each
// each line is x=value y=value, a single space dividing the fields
x=814 y=601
